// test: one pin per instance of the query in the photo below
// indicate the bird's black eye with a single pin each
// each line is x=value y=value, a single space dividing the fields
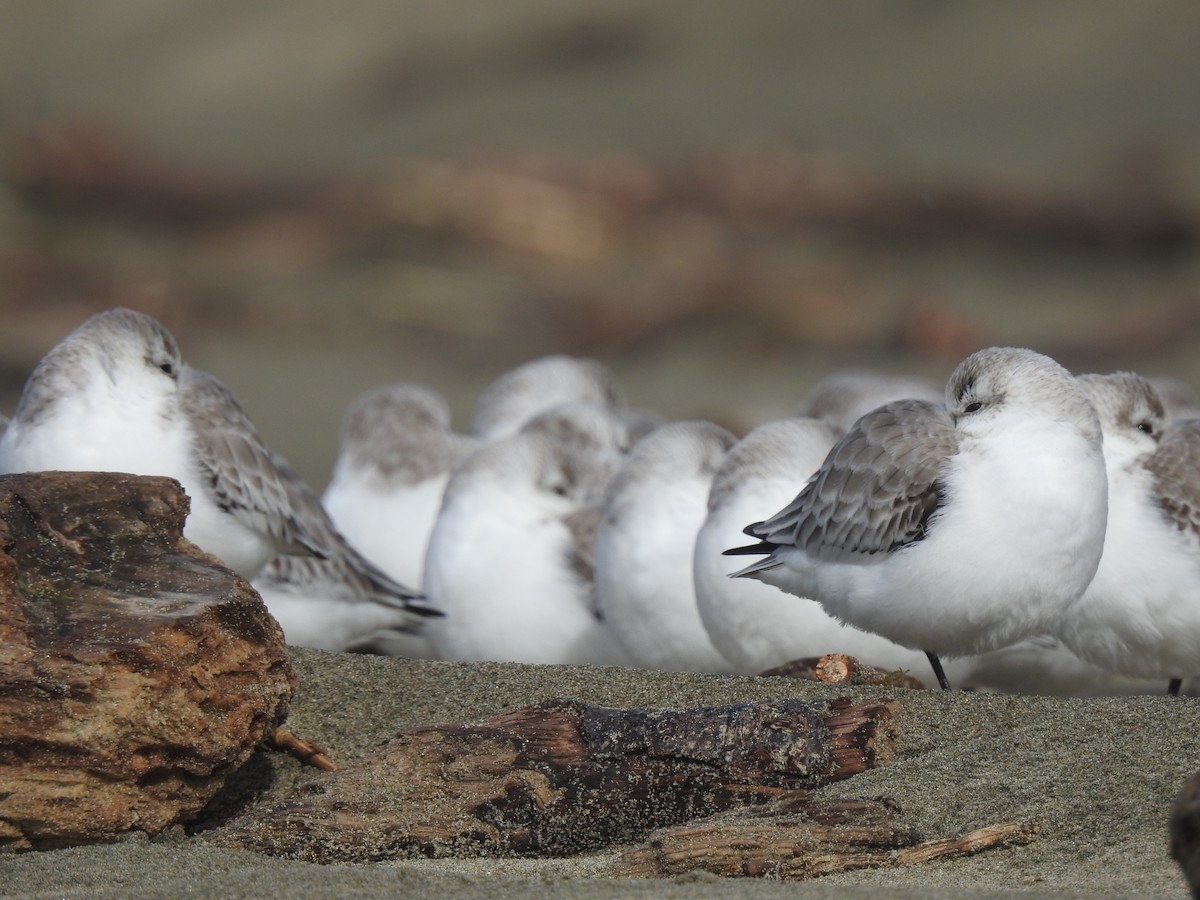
x=560 y=489
x=1146 y=428
x=167 y=367
x=973 y=407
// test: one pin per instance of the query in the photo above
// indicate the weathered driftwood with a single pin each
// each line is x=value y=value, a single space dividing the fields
x=564 y=777
x=1184 y=827
x=135 y=672
x=838 y=668
x=801 y=835
x=307 y=752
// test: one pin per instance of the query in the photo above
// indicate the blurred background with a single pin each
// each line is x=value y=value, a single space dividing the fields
x=722 y=201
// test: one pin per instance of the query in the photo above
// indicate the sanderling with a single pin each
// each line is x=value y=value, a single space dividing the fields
x=842 y=397
x=654 y=504
x=331 y=604
x=755 y=625
x=115 y=395
x=1043 y=665
x=952 y=529
x=1139 y=616
x=592 y=428
x=503 y=561
x=396 y=454
x=520 y=394
x=589 y=431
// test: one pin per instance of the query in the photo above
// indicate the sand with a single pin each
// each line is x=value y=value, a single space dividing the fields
x=1097 y=775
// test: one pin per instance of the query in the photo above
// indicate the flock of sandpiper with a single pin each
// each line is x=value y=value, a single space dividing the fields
x=1027 y=529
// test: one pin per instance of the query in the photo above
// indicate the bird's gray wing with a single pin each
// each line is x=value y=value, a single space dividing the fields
x=260 y=489
x=1175 y=467
x=348 y=579
x=876 y=490
x=247 y=479
x=583 y=525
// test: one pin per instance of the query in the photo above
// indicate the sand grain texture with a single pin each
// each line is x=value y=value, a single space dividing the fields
x=1097 y=776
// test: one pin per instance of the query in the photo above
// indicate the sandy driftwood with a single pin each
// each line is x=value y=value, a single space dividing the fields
x=1184 y=828
x=801 y=835
x=564 y=777
x=839 y=668
x=135 y=672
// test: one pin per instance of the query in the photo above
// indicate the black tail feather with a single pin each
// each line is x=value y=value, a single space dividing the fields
x=759 y=549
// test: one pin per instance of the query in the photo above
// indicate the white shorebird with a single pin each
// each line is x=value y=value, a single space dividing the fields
x=755 y=625
x=506 y=560
x=1043 y=665
x=593 y=429
x=644 y=586
x=520 y=394
x=396 y=454
x=114 y=395
x=1140 y=615
x=842 y=397
x=952 y=529
x=332 y=605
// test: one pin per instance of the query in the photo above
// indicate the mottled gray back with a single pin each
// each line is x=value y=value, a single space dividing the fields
x=401 y=433
x=877 y=489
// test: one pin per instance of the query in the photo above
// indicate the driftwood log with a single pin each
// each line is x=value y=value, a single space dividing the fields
x=564 y=777
x=135 y=672
x=839 y=668
x=1184 y=828
x=800 y=835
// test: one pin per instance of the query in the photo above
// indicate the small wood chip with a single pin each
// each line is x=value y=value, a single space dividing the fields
x=283 y=740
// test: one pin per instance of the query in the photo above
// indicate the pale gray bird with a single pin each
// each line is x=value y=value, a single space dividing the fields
x=114 y=395
x=956 y=528
x=1140 y=615
x=520 y=394
x=396 y=454
x=504 y=560
x=755 y=625
x=842 y=397
x=652 y=509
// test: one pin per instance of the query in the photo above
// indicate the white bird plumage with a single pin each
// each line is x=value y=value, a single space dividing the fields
x=505 y=561
x=756 y=625
x=653 y=509
x=521 y=393
x=1140 y=616
x=115 y=395
x=952 y=529
x=396 y=454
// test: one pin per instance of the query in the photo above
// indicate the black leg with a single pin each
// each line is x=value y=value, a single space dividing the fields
x=937 y=670
x=1173 y=687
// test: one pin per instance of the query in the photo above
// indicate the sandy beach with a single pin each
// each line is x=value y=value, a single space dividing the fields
x=1019 y=104
x=1097 y=776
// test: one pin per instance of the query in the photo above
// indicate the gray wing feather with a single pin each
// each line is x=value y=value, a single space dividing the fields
x=260 y=489
x=877 y=489
x=247 y=479
x=347 y=578
x=583 y=525
x=1175 y=467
